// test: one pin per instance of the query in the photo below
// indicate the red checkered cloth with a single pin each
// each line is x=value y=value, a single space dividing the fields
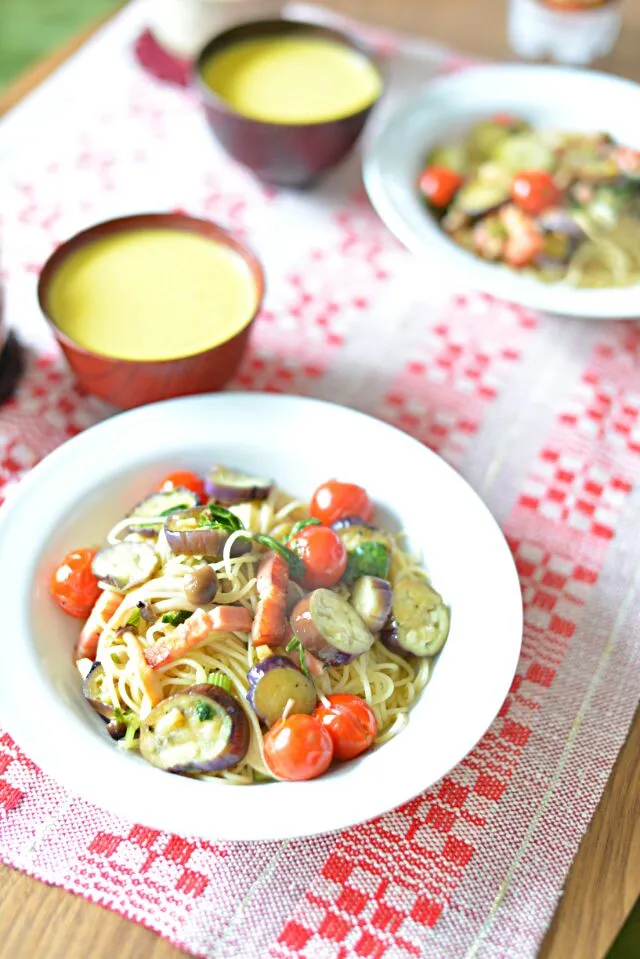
x=541 y=414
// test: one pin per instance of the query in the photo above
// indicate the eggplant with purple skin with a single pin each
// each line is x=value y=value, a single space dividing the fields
x=273 y=683
x=371 y=598
x=93 y=690
x=203 y=729
x=125 y=565
x=229 y=486
x=419 y=623
x=190 y=532
x=148 y=516
x=330 y=628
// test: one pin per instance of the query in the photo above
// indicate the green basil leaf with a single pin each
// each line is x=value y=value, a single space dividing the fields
x=302 y=524
x=367 y=559
x=295 y=564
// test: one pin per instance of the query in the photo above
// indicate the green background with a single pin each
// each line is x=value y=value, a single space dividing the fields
x=31 y=28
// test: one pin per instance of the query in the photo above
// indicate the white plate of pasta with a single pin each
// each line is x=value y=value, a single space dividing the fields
x=228 y=604
x=523 y=181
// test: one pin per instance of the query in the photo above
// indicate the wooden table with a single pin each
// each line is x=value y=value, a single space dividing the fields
x=604 y=881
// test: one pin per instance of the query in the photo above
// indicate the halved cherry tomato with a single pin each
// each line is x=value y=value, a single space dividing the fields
x=323 y=554
x=351 y=723
x=73 y=587
x=439 y=184
x=334 y=500
x=184 y=478
x=298 y=747
x=535 y=191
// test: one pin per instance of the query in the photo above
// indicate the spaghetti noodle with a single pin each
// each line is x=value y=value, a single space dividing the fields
x=153 y=613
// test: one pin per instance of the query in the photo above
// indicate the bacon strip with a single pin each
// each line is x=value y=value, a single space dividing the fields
x=270 y=622
x=103 y=609
x=195 y=630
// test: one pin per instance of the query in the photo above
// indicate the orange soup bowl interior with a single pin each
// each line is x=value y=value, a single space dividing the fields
x=152 y=306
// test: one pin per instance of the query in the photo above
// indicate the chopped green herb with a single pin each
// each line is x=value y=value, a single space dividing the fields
x=295 y=564
x=134 y=619
x=133 y=725
x=295 y=646
x=176 y=617
x=302 y=524
x=203 y=710
x=367 y=559
x=174 y=509
x=220 y=679
x=118 y=715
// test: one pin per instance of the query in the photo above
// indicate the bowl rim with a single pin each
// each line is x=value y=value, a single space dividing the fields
x=605 y=303
x=180 y=222
x=273 y=26
x=133 y=804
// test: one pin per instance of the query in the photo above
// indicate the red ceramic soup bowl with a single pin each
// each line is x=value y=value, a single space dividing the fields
x=129 y=382
x=282 y=154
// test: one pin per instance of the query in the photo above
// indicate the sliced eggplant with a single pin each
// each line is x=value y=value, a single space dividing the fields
x=189 y=533
x=201 y=585
x=557 y=250
x=229 y=486
x=481 y=196
x=371 y=598
x=159 y=505
x=419 y=625
x=125 y=565
x=94 y=693
x=485 y=137
x=203 y=729
x=275 y=681
x=525 y=151
x=558 y=219
x=353 y=531
x=329 y=628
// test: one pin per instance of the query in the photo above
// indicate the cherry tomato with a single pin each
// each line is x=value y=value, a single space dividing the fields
x=323 y=554
x=183 y=478
x=503 y=119
x=335 y=500
x=534 y=191
x=439 y=184
x=73 y=586
x=351 y=723
x=298 y=747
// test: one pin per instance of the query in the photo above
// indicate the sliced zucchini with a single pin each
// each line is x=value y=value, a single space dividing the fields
x=450 y=155
x=525 y=151
x=479 y=197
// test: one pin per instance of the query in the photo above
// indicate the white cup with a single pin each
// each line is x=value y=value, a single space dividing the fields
x=183 y=26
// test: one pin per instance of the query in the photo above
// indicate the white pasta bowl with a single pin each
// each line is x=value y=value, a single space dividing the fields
x=78 y=492
x=548 y=97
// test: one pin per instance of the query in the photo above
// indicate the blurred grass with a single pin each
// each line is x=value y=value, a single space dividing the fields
x=30 y=29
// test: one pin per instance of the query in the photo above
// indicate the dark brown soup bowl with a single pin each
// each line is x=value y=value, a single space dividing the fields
x=126 y=383
x=282 y=154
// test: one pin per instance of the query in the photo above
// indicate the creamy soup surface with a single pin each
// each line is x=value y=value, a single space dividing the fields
x=293 y=79
x=152 y=294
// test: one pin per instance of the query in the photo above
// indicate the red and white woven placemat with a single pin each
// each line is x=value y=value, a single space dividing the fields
x=541 y=414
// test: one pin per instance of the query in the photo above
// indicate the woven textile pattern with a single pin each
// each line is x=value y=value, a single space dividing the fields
x=542 y=415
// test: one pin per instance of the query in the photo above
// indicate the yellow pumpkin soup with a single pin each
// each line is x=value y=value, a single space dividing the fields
x=152 y=294
x=293 y=79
